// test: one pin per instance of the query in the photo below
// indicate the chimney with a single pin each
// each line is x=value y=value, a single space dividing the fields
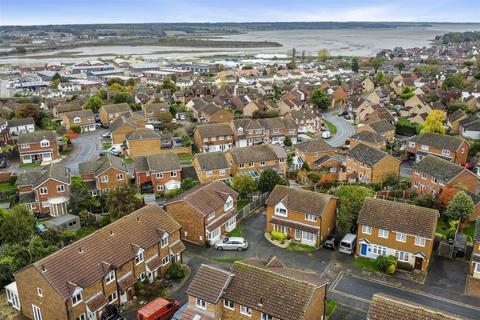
x=43 y=268
x=260 y=304
x=80 y=249
x=111 y=232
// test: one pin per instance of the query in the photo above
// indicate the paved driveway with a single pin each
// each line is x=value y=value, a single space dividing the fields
x=447 y=274
x=360 y=289
x=86 y=147
x=344 y=130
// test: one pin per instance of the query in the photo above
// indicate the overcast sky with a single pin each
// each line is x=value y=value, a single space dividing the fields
x=31 y=12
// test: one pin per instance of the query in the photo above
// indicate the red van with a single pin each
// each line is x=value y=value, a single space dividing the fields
x=158 y=309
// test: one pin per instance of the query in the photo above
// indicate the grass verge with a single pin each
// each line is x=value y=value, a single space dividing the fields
x=300 y=247
x=366 y=264
x=331 y=307
x=30 y=165
x=241 y=204
x=331 y=127
x=7 y=187
x=237 y=232
x=227 y=260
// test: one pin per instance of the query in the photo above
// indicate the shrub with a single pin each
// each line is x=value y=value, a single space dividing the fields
x=76 y=129
x=391 y=269
x=404 y=266
x=175 y=272
x=277 y=235
x=384 y=263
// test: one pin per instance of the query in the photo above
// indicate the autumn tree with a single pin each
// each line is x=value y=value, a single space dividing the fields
x=93 y=103
x=244 y=185
x=28 y=110
x=434 y=122
x=319 y=99
x=122 y=201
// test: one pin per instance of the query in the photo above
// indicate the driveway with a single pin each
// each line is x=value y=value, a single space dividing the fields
x=360 y=289
x=406 y=168
x=86 y=147
x=448 y=274
x=344 y=130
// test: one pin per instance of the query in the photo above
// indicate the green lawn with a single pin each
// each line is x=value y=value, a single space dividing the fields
x=442 y=227
x=30 y=165
x=7 y=186
x=469 y=231
x=367 y=264
x=331 y=307
x=300 y=247
x=241 y=204
x=237 y=232
x=107 y=145
x=185 y=158
x=128 y=160
x=331 y=126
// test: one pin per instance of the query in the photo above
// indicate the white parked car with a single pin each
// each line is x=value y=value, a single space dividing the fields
x=326 y=134
x=231 y=243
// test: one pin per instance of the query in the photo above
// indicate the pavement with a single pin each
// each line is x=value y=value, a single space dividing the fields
x=344 y=129
x=87 y=146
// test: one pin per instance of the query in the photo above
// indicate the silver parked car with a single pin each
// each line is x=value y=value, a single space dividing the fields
x=232 y=243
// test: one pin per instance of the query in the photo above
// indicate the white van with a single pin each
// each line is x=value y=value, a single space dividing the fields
x=348 y=243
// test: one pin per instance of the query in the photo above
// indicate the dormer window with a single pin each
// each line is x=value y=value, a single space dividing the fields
x=139 y=257
x=164 y=241
x=228 y=204
x=280 y=210
x=446 y=152
x=45 y=143
x=110 y=276
x=424 y=147
x=77 y=120
x=76 y=297
x=25 y=146
x=211 y=215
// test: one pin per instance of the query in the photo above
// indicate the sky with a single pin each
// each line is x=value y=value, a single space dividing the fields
x=33 y=12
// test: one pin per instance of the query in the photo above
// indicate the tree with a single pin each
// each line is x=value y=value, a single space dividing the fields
x=350 y=202
x=293 y=64
x=376 y=63
x=355 y=65
x=112 y=81
x=169 y=84
x=434 y=122
x=319 y=99
x=80 y=197
x=314 y=177
x=244 y=185
x=93 y=103
x=456 y=80
x=186 y=141
x=130 y=82
x=323 y=55
x=28 y=110
x=400 y=65
x=123 y=97
x=460 y=206
x=287 y=141
x=269 y=179
x=16 y=225
x=187 y=183
x=122 y=201
x=165 y=117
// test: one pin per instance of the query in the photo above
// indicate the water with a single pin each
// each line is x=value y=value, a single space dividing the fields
x=353 y=42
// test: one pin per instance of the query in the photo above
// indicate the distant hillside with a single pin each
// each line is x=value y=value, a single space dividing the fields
x=459 y=37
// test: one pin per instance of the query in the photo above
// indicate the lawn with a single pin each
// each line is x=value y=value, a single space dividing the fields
x=442 y=227
x=30 y=165
x=85 y=231
x=241 y=204
x=185 y=158
x=237 y=232
x=7 y=187
x=128 y=160
x=331 y=126
x=107 y=145
x=300 y=247
x=469 y=231
x=6 y=311
x=331 y=307
x=367 y=264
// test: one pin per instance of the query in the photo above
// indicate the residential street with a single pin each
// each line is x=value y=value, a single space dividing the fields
x=344 y=129
x=87 y=146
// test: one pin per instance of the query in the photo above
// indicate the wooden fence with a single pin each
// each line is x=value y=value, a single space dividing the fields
x=253 y=205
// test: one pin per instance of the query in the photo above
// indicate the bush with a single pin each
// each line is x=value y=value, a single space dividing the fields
x=404 y=266
x=76 y=129
x=277 y=235
x=175 y=272
x=385 y=263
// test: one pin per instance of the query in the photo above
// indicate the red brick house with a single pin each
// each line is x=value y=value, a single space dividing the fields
x=160 y=172
x=452 y=148
x=38 y=147
x=104 y=174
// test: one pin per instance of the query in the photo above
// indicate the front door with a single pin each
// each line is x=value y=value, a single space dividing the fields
x=418 y=263
x=363 y=249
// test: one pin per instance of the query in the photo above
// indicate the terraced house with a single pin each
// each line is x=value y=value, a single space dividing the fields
x=452 y=148
x=38 y=147
x=248 y=132
x=305 y=216
x=213 y=137
x=157 y=173
x=398 y=229
x=257 y=158
x=104 y=174
x=256 y=289
x=276 y=129
x=45 y=190
x=211 y=166
x=205 y=212
x=82 y=279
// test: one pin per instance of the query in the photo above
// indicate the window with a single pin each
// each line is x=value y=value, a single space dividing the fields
x=308 y=236
x=37 y=313
x=173 y=174
x=401 y=256
x=251 y=164
x=262 y=163
x=43 y=190
x=379 y=250
x=446 y=152
x=77 y=120
x=119 y=176
x=424 y=147
x=81 y=317
x=211 y=215
x=228 y=304
x=281 y=212
x=39 y=292
x=160 y=187
x=141 y=276
x=228 y=204
x=165 y=260
x=242 y=165
x=110 y=276
x=402 y=237
x=411 y=144
x=310 y=217
x=164 y=241
x=45 y=143
x=159 y=175
x=139 y=257
x=76 y=299
x=246 y=311
x=382 y=233
x=281 y=160
x=434 y=180
x=417 y=173
x=266 y=316
x=209 y=173
x=201 y=304
x=60 y=188
x=222 y=172
x=104 y=178
x=113 y=297
x=424 y=176
x=213 y=138
x=220 y=138
x=419 y=241
x=366 y=229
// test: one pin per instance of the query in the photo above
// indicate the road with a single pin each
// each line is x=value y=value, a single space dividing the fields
x=86 y=147
x=344 y=129
x=362 y=290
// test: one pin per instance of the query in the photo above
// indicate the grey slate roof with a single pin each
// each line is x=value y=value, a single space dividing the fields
x=35 y=137
x=39 y=176
x=257 y=153
x=212 y=161
x=437 y=140
x=161 y=162
x=366 y=154
x=20 y=122
x=209 y=283
x=456 y=114
x=143 y=133
x=214 y=130
x=381 y=126
x=314 y=145
x=472 y=123
x=369 y=136
x=101 y=164
x=441 y=169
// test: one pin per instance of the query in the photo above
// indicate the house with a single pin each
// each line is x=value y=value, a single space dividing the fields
x=205 y=212
x=276 y=129
x=257 y=158
x=152 y=111
x=38 y=147
x=312 y=150
x=370 y=138
x=371 y=165
x=23 y=125
x=122 y=127
x=248 y=132
x=111 y=112
x=386 y=307
x=432 y=174
x=104 y=174
x=211 y=166
x=60 y=108
x=394 y=228
x=381 y=127
x=470 y=127
x=305 y=216
x=451 y=148
x=256 y=289
x=213 y=137
x=368 y=85
x=82 y=279
x=213 y=113
x=307 y=120
x=157 y=172
x=143 y=142
x=45 y=190
x=453 y=120
x=473 y=278
x=85 y=119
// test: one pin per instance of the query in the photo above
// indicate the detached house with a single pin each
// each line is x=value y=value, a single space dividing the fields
x=205 y=212
x=307 y=120
x=81 y=280
x=312 y=150
x=257 y=158
x=23 y=125
x=46 y=190
x=213 y=137
x=305 y=216
x=398 y=229
x=143 y=142
x=85 y=119
x=452 y=148
x=371 y=165
x=104 y=174
x=122 y=127
x=211 y=166
x=432 y=174
x=111 y=112
x=158 y=172
x=256 y=289
x=38 y=147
